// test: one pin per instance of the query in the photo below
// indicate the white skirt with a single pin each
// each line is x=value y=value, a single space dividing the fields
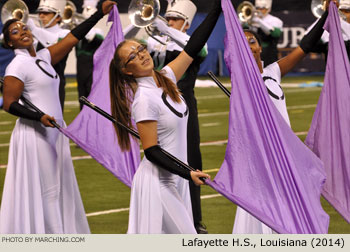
x=159 y=203
x=245 y=223
x=41 y=193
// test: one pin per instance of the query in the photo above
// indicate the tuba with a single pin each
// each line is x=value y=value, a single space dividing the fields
x=70 y=17
x=246 y=11
x=14 y=9
x=142 y=13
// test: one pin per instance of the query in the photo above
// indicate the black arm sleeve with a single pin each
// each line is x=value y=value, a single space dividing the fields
x=311 y=39
x=202 y=33
x=21 y=111
x=156 y=156
x=81 y=30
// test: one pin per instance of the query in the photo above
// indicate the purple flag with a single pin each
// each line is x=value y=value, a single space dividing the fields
x=329 y=135
x=267 y=170
x=94 y=133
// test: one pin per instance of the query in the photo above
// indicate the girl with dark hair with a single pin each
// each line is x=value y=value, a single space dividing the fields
x=40 y=194
x=159 y=203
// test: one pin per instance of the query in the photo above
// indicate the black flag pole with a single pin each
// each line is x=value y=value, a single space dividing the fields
x=86 y=102
x=220 y=85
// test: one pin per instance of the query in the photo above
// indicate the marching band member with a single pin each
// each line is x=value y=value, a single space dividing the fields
x=160 y=113
x=41 y=193
x=244 y=222
x=50 y=16
x=269 y=29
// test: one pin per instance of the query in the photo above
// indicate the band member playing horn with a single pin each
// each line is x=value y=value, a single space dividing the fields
x=244 y=222
x=269 y=29
x=50 y=16
x=344 y=10
x=40 y=194
x=160 y=113
x=179 y=15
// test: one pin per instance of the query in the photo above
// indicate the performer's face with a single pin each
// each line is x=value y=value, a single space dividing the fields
x=263 y=11
x=177 y=23
x=45 y=18
x=19 y=36
x=254 y=45
x=136 y=59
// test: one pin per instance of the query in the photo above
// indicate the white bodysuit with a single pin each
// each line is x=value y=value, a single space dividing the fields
x=160 y=201
x=245 y=223
x=40 y=194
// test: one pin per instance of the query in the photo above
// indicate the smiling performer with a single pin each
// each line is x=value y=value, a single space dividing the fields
x=41 y=193
x=161 y=119
x=244 y=222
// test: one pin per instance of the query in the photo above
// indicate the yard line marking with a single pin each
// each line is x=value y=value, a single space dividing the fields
x=81 y=157
x=211 y=170
x=5 y=145
x=107 y=212
x=220 y=142
x=302 y=106
x=210 y=124
x=5 y=132
x=301 y=133
x=6 y=123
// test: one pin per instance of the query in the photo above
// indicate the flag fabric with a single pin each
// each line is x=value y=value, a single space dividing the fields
x=267 y=170
x=94 y=133
x=329 y=135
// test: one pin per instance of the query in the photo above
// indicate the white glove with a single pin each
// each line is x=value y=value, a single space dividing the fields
x=31 y=24
x=264 y=26
x=130 y=31
x=180 y=38
x=45 y=37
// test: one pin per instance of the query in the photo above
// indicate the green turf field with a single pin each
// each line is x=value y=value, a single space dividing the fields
x=106 y=199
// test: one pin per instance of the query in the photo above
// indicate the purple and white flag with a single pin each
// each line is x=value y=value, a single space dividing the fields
x=94 y=133
x=329 y=134
x=267 y=170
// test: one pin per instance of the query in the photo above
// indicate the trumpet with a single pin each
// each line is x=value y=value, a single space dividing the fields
x=246 y=11
x=70 y=17
x=142 y=13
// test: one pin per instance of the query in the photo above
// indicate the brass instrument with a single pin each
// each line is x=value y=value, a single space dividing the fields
x=318 y=7
x=142 y=13
x=14 y=9
x=246 y=11
x=70 y=17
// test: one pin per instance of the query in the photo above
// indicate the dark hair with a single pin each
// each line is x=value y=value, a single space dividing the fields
x=254 y=34
x=6 y=32
x=122 y=90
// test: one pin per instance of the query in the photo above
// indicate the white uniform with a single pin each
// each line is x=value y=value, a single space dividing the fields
x=245 y=223
x=40 y=194
x=157 y=204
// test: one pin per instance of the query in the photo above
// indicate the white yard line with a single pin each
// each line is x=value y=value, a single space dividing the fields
x=7 y=122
